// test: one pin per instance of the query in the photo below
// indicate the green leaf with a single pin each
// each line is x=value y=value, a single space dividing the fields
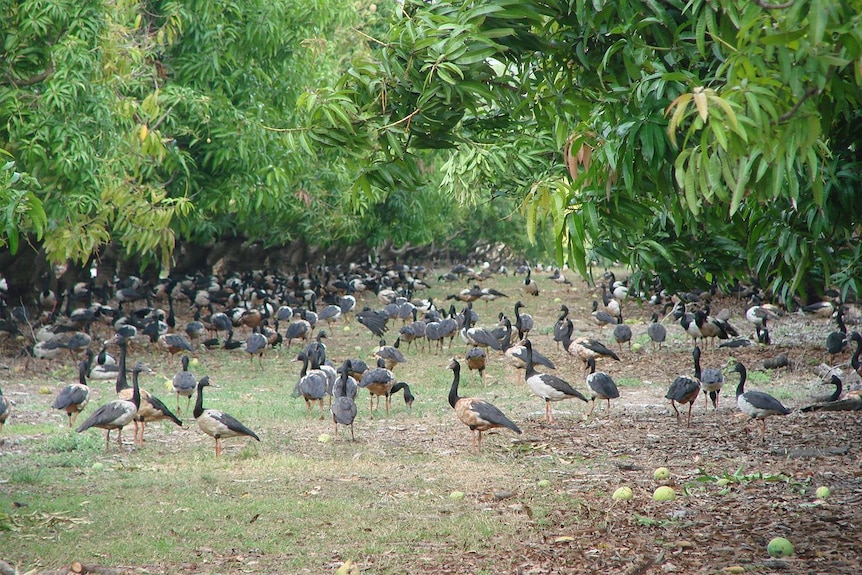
x=718 y=132
x=691 y=191
x=818 y=15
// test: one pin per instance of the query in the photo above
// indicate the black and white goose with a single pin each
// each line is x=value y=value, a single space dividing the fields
x=657 y=332
x=756 y=404
x=601 y=317
x=852 y=402
x=584 y=348
x=114 y=415
x=711 y=380
x=602 y=386
x=378 y=381
x=311 y=385
x=476 y=413
x=184 y=384
x=105 y=366
x=523 y=321
x=547 y=386
x=255 y=345
x=73 y=398
x=217 y=424
x=685 y=389
x=151 y=408
x=343 y=407
x=560 y=326
x=530 y=285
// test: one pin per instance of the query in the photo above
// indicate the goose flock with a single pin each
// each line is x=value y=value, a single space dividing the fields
x=259 y=311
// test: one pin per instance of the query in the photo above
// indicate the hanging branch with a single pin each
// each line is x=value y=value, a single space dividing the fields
x=792 y=111
x=32 y=79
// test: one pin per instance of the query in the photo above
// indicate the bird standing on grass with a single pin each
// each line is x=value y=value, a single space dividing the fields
x=311 y=385
x=73 y=398
x=343 y=407
x=378 y=381
x=150 y=409
x=523 y=321
x=409 y=398
x=174 y=343
x=215 y=423
x=547 y=386
x=114 y=415
x=756 y=404
x=475 y=413
x=477 y=359
x=255 y=345
x=184 y=384
x=390 y=354
x=530 y=285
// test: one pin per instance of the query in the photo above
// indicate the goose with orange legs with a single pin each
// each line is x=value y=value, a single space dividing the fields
x=475 y=413
x=217 y=424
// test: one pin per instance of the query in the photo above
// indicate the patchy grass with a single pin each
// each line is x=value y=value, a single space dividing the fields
x=535 y=503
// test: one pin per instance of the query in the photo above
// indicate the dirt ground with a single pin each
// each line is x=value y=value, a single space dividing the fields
x=711 y=527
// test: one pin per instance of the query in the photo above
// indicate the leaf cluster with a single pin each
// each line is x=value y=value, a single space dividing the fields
x=690 y=140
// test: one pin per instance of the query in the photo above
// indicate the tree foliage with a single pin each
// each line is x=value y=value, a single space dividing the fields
x=141 y=123
x=689 y=139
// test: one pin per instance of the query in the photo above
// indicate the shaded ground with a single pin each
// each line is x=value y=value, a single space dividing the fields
x=709 y=528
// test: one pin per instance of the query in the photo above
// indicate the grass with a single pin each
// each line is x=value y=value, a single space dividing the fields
x=380 y=498
x=291 y=503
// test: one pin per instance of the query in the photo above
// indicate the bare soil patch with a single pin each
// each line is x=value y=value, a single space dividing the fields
x=709 y=528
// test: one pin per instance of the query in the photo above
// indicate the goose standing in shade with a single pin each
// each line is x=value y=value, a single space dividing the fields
x=657 y=331
x=756 y=404
x=114 y=415
x=475 y=413
x=602 y=386
x=217 y=424
x=834 y=402
x=73 y=398
x=623 y=335
x=711 y=380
